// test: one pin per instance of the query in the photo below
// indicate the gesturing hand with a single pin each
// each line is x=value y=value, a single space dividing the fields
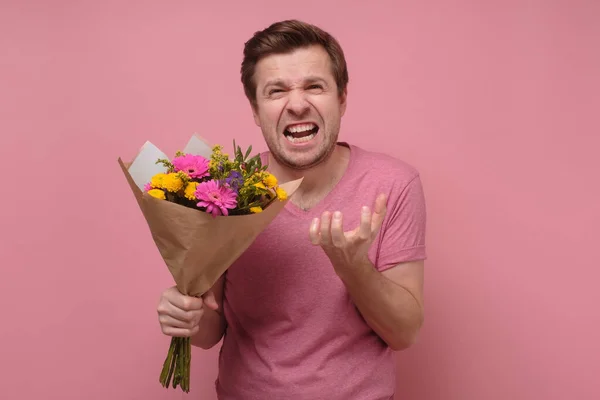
x=346 y=249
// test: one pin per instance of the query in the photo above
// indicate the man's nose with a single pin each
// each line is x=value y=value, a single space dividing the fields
x=297 y=103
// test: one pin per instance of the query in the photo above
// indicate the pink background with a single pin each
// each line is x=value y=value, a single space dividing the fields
x=493 y=101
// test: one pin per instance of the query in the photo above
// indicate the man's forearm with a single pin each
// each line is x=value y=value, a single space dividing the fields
x=212 y=327
x=391 y=310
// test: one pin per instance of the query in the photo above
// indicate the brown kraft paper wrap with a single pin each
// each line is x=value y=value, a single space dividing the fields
x=197 y=247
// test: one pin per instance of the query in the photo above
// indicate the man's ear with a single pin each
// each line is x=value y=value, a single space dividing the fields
x=343 y=101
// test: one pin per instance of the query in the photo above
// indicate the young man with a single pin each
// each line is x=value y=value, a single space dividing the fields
x=316 y=306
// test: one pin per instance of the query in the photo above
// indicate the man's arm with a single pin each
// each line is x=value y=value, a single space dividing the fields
x=390 y=301
x=212 y=323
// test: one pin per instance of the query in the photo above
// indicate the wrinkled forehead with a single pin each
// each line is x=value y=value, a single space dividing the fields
x=299 y=66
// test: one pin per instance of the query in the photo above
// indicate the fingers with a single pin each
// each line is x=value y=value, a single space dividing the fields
x=210 y=301
x=319 y=232
x=364 y=230
x=177 y=322
x=180 y=315
x=380 y=203
x=330 y=231
x=186 y=303
x=337 y=230
x=325 y=231
x=171 y=330
x=167 y=322
x=314 y=235
x=378 y=214
x=167 y=308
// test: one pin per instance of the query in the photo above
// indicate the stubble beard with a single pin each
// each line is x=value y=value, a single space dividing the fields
x=322 y=154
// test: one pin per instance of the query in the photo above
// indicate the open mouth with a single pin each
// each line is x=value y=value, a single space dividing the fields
x=301 y=133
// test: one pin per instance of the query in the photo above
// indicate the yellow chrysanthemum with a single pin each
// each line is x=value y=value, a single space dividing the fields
x=281 y=193
x=269 y=180
x=190 y=190
x=172 y=182
x=157 y=180
x=260 y=185
x=157 y=193
x=255 y=210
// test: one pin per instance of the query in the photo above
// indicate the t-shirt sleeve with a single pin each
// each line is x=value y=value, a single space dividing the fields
x=402 y=235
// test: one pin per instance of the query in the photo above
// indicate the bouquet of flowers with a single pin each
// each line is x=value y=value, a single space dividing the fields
x=203 y=210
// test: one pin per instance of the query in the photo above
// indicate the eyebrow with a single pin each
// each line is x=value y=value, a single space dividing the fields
x=281 y=82
x=275 y=82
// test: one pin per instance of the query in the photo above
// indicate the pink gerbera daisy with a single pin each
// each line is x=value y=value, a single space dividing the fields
x=194 y=166
x=216 y=198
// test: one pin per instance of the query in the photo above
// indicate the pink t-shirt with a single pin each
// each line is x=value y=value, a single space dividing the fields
x=293 y=332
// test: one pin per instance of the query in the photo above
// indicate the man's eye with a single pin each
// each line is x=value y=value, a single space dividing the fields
x=315 y=86
x=273 y=91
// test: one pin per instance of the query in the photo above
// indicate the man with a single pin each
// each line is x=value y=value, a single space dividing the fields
x=316 y=306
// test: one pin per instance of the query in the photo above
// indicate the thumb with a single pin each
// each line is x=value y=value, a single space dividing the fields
x=210 y=300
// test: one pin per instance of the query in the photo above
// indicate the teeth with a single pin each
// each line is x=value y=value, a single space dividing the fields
x=301 y=128
x=300 y=140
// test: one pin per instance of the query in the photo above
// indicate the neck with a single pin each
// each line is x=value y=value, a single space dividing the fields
x=318 y=180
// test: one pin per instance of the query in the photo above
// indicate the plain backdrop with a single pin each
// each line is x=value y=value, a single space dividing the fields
x=495 y=102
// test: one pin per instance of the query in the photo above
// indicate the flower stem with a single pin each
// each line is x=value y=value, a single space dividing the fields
x=176 y=365
x=173 y=365
x=177 y=374
x=167 y=365
x=186 y=370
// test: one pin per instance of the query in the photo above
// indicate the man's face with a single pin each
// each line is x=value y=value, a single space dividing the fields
x=298 y=107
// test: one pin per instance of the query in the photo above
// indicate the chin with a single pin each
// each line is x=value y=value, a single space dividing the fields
x=304 y=160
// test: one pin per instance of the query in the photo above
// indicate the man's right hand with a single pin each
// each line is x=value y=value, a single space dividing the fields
x=180 y=315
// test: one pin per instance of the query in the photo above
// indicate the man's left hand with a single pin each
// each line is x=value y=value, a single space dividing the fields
x=348 y=249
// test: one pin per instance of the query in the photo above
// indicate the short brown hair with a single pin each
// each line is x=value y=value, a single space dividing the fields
x=284 y=37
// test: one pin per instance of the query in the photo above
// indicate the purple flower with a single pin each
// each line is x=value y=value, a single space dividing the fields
x=234 y=180
x=217 y=199
x=194 y=166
